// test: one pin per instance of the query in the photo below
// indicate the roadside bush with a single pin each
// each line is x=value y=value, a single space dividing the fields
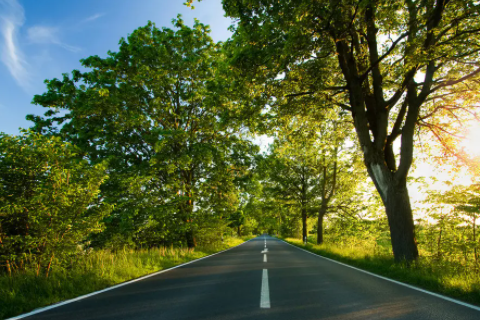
x=49 y=201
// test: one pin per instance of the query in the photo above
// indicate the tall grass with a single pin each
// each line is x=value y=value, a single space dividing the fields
x=23 y=291
x=448 y=277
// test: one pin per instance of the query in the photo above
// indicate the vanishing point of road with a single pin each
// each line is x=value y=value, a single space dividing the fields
x=264 y=278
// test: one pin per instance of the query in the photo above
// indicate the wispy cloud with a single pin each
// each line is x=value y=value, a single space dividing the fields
x=93 y=17
x=48 y=35
x=12 y=17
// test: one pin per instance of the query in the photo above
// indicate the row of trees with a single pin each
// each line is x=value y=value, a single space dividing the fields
x=312 y=166
x=143 y=149
x=393 y=65
x=149 y=146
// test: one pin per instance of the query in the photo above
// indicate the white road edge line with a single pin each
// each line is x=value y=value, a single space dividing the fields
x=265 y=293
x=264 y=257
x=394 y=281
x=40 y=310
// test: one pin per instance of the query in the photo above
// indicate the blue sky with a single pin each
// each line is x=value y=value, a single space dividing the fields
x=41 y=39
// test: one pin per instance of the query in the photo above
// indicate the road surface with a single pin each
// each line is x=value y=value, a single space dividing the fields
x=263 y=278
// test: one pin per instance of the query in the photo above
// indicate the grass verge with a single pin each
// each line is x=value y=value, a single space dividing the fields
x=24 y=292
x=437 y=276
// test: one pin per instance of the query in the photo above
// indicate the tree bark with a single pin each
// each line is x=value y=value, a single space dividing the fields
x=400 y=220
x=189 y=236
x=321 y=215
x=47 y=272
x=304 y=223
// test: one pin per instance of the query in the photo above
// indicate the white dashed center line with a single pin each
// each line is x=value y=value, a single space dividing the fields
x=265 y=293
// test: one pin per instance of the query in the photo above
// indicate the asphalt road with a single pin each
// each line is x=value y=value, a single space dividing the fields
x=239 y=284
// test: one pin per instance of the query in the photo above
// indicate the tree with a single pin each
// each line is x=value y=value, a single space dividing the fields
x=49 y=200
x=159 y=111
x=291 y=182
x=311 y=165
x=391 y=64
x=237 y=219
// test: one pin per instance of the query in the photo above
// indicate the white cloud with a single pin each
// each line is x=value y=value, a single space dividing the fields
x=93 y=17
x=41 y=34
x=12 y=17
x=48 y=35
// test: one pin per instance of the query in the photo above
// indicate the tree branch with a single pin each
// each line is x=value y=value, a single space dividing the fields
x=394 y=44
x=454 y=82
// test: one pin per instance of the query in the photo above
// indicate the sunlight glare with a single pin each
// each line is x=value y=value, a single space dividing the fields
x=472 y=141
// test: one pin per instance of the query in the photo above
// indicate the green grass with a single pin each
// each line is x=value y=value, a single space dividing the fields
x=24 y=292
x=445 y=277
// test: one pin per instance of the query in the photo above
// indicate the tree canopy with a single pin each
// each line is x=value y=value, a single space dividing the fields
x=391 y=64
x=158 y=110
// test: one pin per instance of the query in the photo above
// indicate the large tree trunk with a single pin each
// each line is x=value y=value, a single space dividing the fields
x=321 y=215
x=391 y=182
x=304 y=223
x=371 y=115
x=400 y=220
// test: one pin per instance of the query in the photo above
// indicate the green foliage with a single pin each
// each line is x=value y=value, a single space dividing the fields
x=393 y=66
x=237 y=220
x=49 y=201
x=313 y=166
x=167 y=115
x=451 y=232
x=160 y=110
